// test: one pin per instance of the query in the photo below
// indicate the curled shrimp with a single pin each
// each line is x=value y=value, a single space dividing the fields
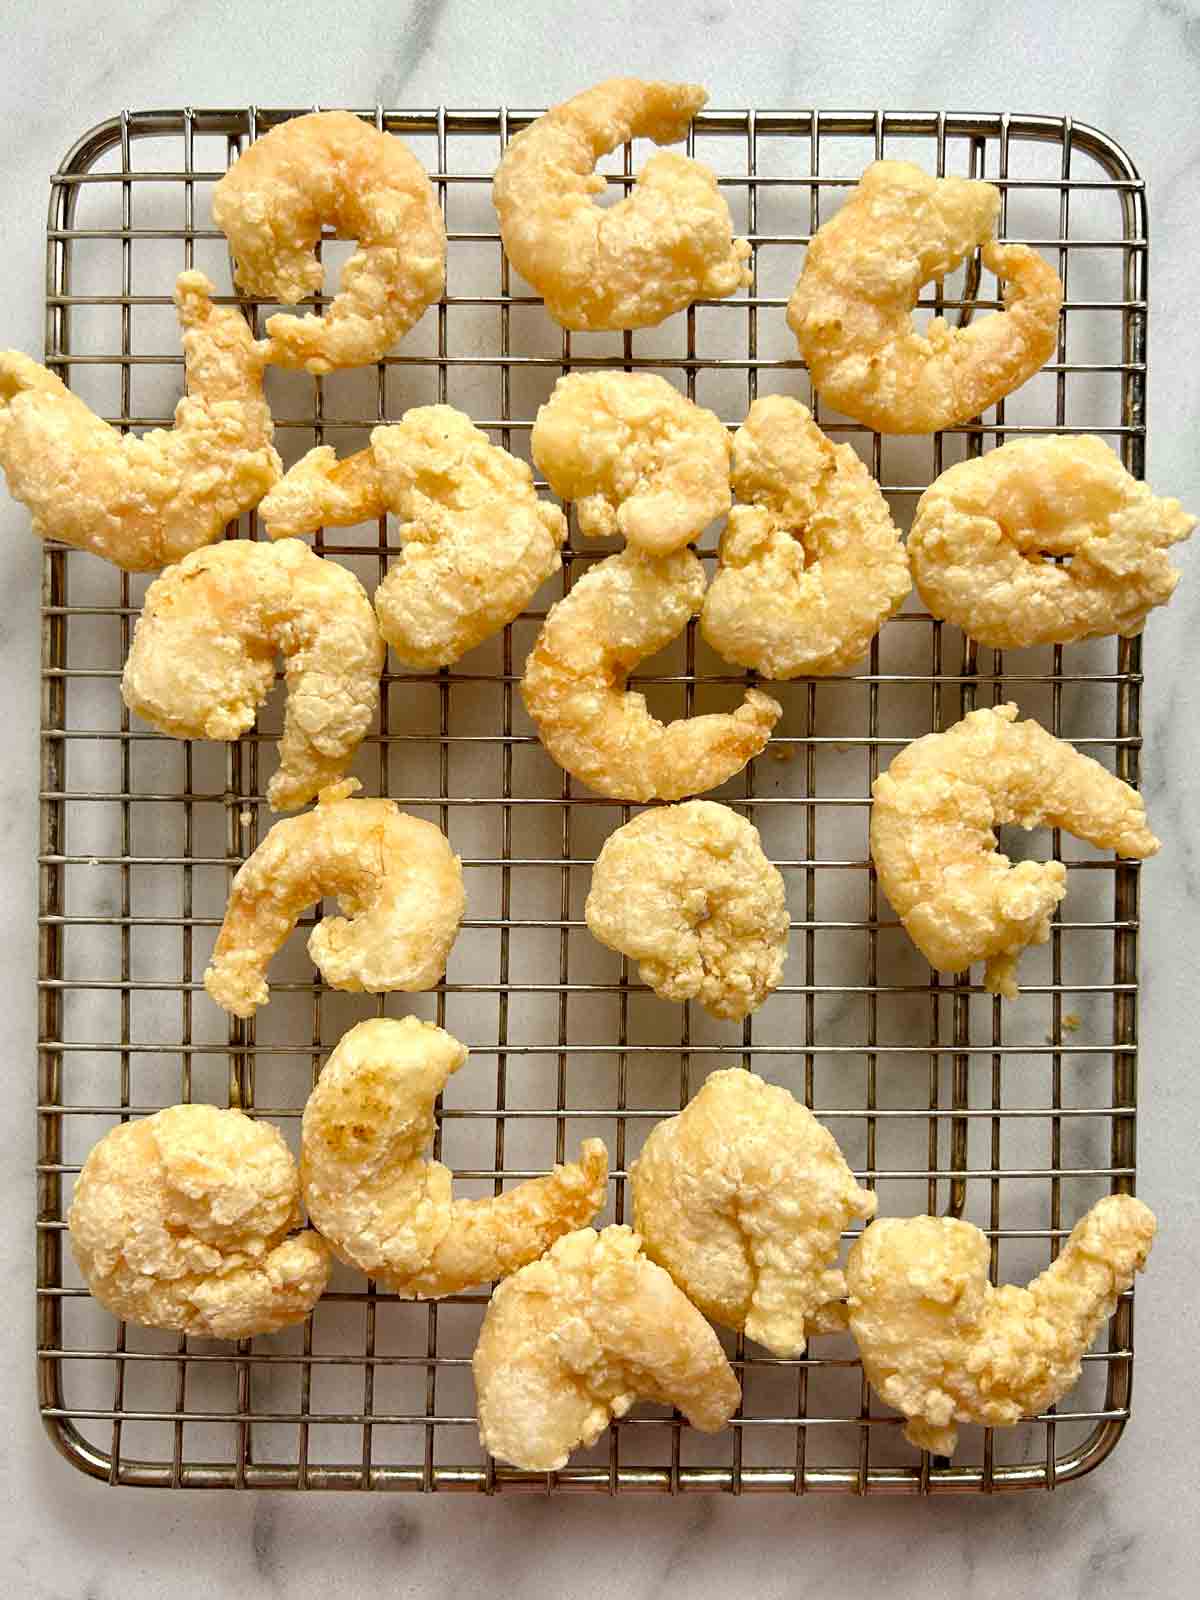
x=623 y=610
x=144 y=500
x=984 y=528
x=743 y=1198
x=331 y=166
x=944 y=1345
x=578 y=1337
x=478 y=543
x=395 y=875
x=687 y=891
x=187 y=1220
x=933 y=839
x=813 y=565
x=203 y=656
x=666 y=244
x=387 y=1210
x=635 y=456
x=851 y=309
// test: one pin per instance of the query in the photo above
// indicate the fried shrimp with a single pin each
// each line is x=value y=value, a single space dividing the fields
x=144 y=500
x=743 y=1198
x=984 y=529
x=578 y=1337
x=395 y=875
x=933 y=836
x=203 y=656
x=687 y=891
x=851 y=310
x=384 y=1207
x=945 y=1346
x=186 y=1220
x=666 y=244
x=624 y=609
x=812 y=566
x=332 y=167
x=478 y=543
x=636 y=457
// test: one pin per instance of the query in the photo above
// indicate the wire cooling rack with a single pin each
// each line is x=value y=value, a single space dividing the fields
x=1016 y=1115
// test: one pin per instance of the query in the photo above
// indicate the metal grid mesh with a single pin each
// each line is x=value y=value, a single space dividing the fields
x=1016 y=1116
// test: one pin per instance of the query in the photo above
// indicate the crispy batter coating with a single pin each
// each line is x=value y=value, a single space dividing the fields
x=203 y=656
x=743 y=1198
x=141 y=501
x=944 y=1346
x=687 y=891
x=387 y=1210
x=984 y=528
x=667 y=243
x=394 y=875
x=184 y=1220
x=578 y=1337
x=636 y=457
x=626 y=608
x=851 y=311
x=332 y=167
x=478 y=543
x=813 y=565
x=933 y=836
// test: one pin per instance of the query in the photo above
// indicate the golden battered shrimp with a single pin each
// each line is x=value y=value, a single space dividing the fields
x=394 y=874
x=141 y=501
x=687 y=891
x=636 y=457
x=851 y=309
x=667 y=243
x=203 y=656
x=578 y=1337
x=332 y=167
x=983 y=530
x=743 y=1198
x=944 y=1346
x=813 y=566
x=933 y=837
x=478 y=543
x=627 y=607
x=186 y=1220
x=387 y=1210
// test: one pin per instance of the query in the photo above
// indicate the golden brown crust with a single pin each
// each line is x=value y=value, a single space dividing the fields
x=687 y=891
x=577 y=1337
x=624 y=609
x=635 y=456
x=667 y=243
x=395 y=876
x=203 y=656
x=332 y=167
x=933 y=839
x=811 y=565
x=851 y=310
x=743 y=1198
x=185 y=1220
x=944 y=1346
x=478 y=543
x=983 y=530
x=144 y=500
x=388 y=1210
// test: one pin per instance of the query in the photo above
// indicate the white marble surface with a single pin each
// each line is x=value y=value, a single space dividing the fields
x=1131 y=1528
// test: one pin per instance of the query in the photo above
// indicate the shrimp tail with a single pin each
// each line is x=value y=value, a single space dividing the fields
x=321 y=491
x=490 y=1238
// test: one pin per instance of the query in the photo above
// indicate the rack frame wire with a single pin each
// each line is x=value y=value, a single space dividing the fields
x=800 y=159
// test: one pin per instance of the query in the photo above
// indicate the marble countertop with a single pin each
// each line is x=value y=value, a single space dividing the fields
x=1131 y=67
